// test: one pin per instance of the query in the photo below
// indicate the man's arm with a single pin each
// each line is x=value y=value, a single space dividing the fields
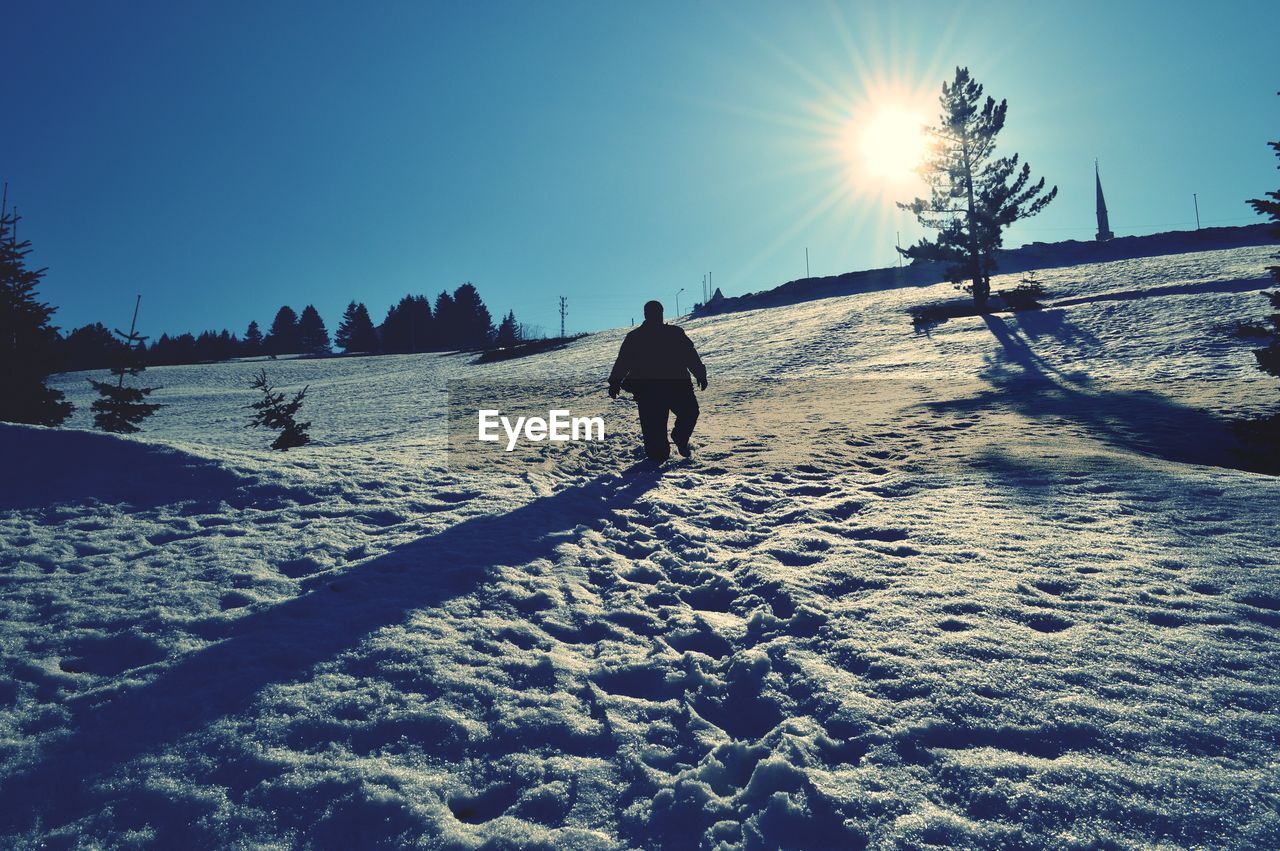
x=694 y=363
x=621 y=367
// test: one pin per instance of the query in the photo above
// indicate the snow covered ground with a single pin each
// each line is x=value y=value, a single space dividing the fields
x=1000 y=584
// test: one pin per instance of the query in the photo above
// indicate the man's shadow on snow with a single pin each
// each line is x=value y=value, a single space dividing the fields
x=1135 y=419
x=283 y=642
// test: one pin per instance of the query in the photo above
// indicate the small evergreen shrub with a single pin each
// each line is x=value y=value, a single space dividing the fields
x=120 y=409
x=272 y=411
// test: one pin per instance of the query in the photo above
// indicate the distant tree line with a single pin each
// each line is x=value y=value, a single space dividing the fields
x=457 y=320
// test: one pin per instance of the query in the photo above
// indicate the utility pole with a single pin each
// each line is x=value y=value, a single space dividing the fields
x=806 y=261
x=564 y=309
x=1196 y=200
x=897 y=238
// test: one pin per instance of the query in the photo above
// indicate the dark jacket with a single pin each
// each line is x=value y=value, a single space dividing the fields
x=657 y=351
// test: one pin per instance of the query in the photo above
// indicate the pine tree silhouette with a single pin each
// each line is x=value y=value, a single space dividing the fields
x=272 y=411
x=448 y=332
x=252 y=342
x=120 y=409
x=356 y=332
x=973 y=194
x=474 y=322
x=508 y=331
x=282 y=339
x=28 y=343
x=408 y=327
x=313 y=337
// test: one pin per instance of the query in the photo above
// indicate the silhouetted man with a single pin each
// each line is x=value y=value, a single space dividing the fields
x=654 y=365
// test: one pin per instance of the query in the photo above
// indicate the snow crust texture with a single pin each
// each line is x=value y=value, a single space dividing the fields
x=1004 y=583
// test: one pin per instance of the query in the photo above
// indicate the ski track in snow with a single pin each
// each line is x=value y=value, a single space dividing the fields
x=999 y=584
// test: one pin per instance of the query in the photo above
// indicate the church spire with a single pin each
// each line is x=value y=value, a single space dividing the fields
x=1104 y=226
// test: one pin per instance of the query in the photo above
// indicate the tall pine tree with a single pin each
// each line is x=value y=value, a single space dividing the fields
x=393 y=332
x=474 y=322
x=252 y=342
x=508 y=331
x=409 y=326
x=448 y=331
x=313 y=337
x=28 y=343
x=119 y=408
x=283 y=339
x=356 y=332
x=973 y=194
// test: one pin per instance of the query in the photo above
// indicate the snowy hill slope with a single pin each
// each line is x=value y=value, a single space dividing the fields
x=1003 y=584
x=1034 y=256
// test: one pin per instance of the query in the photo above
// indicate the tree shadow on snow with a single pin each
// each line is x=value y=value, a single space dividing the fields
x=45 y=467
x=282 y=642
x=1034 y=324
x=1140 y=420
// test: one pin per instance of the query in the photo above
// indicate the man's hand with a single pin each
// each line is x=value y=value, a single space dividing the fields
x=702 y=383
x=613 y=391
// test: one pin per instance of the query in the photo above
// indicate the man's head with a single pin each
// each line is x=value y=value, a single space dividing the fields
x=653 y=311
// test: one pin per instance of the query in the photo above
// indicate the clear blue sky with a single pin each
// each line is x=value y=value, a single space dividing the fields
x=225 y=158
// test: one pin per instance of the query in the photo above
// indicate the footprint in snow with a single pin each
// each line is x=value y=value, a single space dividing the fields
x=484 y=806
x=299 y=567
x=715 y=595
x=844 y=584
x=234 y=600
x=111 y=655
x=844 y=510
x=456 y=496
x=1045 y=622
x=1056 y=587
x=794 y=558
x=872 y=533
x=810 y=490
x=1166 y=618
x=704 y=641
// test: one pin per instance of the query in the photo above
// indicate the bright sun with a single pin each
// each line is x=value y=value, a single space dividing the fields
x=891 y=144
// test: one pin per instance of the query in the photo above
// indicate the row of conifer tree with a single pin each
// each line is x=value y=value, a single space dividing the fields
x=458 y=320
x=31 y=347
